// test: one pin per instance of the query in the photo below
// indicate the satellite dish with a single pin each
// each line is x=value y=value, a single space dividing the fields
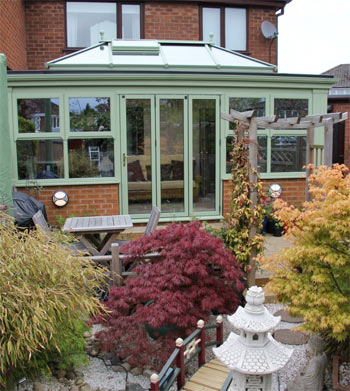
x=268 y=30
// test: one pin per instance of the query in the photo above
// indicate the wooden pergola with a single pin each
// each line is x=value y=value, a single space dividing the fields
x=317 y=154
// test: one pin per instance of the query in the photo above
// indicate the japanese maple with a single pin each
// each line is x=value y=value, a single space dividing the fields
x=195 y=276
x=313 y=276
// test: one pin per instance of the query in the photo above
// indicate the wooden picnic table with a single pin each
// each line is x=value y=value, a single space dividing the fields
x=86 y=228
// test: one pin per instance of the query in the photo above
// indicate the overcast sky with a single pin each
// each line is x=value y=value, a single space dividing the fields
x=314 y=36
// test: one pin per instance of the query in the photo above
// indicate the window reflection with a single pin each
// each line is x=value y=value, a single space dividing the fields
x=89 y=114
x=287 y=108
x=91 y=158
x=85 y=20
x=40 y=159
x=288 y=153
x=172 y=154
x=38 y=115
x=131 y=21
x=246 y=104
x=204 y=158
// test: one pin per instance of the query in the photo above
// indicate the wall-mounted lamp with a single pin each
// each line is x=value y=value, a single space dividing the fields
x=60 y=198
x=275 y=190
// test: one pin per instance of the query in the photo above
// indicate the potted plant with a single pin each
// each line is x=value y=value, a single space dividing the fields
x=269 y=219
x=278 y=228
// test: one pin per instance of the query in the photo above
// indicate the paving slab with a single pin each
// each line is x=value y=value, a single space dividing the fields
x=291 y=337
x=285 y=317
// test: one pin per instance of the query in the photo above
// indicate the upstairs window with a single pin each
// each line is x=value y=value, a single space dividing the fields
x=85 y=21
x=227 y=24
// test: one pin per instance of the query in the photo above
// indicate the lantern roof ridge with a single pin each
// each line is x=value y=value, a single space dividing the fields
x=254 y=317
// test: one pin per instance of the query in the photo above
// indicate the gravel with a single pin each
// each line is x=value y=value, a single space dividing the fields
x=103 y=378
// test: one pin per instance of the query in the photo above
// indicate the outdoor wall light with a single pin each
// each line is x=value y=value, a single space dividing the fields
x=275 y=190
x=60 y=198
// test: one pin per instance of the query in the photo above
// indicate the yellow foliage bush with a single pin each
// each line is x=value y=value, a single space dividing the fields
x=46 y=294
x=313 y=276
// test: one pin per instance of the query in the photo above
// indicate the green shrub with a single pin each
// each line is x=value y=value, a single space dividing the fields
x=46 y=294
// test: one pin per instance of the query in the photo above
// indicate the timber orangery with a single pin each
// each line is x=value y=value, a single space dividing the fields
x=124 y=125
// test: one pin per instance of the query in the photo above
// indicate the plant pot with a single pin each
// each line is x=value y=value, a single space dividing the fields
x=277 y=231
x=270 y=226
x=264 y=226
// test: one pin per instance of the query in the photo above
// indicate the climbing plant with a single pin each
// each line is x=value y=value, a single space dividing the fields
x=243 y=215
x=313 y=276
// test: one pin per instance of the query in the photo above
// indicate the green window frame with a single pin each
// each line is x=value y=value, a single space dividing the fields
x=109 y=139
x=267 y=164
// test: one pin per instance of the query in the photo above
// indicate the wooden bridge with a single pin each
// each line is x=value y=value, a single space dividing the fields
x=210 y=376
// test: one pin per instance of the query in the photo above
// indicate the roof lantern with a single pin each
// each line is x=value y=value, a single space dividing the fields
x=146 y=55
x=144 y=46
x=253 y=355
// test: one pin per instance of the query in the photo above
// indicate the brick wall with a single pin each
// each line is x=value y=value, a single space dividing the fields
x=46 y=40
x=45 y=29
x=84 y=200
x=258 y=46
x=12 y=34
x=172 y=21
x=344 y=107
x=293 y=191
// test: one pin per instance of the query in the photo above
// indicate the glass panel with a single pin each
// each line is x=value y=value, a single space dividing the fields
x=229 y=147
x=288 y=153
x=262 y=157
x=131 y=21
x=262 y=154
x=139 y=151
x=204 y=160
x=85 y=20
x=286 y=108
x=236 y=28
x=211 y=25
x=245 y=104
x=91 y=158
x=172 y=155
x=89 y=114
x=38 y=115
x=40 y=159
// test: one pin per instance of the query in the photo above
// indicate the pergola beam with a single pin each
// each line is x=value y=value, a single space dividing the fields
x=273 y=122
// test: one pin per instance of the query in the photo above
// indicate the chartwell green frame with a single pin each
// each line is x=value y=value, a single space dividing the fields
x=123 y=188
x=313 y=108
x=65 y=134
x=218 y=207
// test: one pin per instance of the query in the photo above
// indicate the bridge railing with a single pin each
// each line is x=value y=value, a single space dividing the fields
x=185 y=351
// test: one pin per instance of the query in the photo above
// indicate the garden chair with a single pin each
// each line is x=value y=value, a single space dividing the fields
x=151 y=225
x=39 y=221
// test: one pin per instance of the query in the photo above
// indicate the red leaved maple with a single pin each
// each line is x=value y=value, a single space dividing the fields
x=195 y=276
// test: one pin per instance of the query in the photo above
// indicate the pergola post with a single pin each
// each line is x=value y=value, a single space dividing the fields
x=328 y=143
x=309 y=158
x=5 y=150
x=253 y=178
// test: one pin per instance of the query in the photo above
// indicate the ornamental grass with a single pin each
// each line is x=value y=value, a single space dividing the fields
x=46 y=296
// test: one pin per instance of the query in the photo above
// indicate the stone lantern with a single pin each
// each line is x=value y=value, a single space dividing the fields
x=253 y=355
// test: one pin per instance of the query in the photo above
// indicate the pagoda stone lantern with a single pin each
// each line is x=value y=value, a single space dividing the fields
x=253 y=355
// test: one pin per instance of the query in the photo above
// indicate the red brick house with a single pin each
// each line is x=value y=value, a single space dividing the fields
x=339 y=100
x=34 y=32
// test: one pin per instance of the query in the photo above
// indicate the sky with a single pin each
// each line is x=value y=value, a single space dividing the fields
x=314 y=36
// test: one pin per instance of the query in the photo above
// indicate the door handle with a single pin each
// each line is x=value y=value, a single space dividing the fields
x=124 y=159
